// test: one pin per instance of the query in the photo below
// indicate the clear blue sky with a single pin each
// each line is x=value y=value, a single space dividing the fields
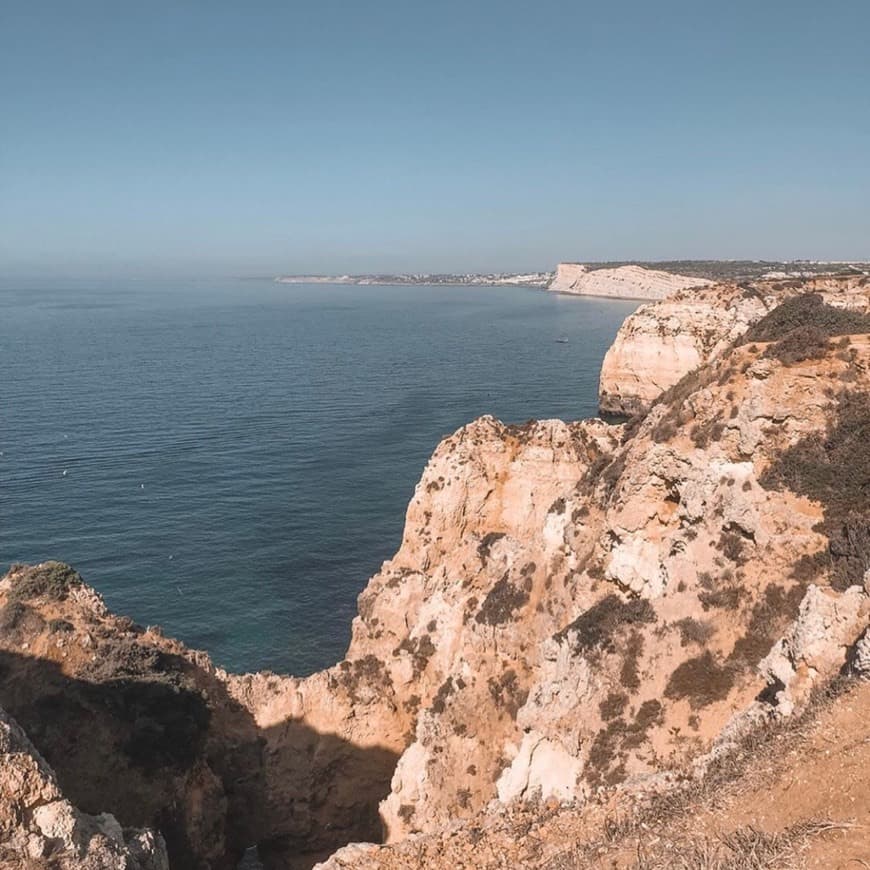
x=259 y=137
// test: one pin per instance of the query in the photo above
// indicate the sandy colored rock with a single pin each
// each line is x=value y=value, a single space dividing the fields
x=36 y=821
x=799 y=798
x=155 y=735
x=660 y=343
x=656 y=606
x=828 y=626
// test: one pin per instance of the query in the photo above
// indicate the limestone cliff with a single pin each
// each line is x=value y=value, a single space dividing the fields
x=38 y=824
x=622 y=282
x=660 y=343
x=576 y=611
x=619 y=629
x=136 y=725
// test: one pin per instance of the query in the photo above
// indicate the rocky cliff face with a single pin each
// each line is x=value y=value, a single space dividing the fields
x=39 y=827
x=576 y=609
x=622 y=282
x=660 y=343
x=618 y=630
x=136 y=725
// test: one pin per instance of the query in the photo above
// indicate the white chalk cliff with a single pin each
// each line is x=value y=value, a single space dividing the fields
x=622 y=282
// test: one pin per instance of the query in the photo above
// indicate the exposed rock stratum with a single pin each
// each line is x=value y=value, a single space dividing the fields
x=620 y=282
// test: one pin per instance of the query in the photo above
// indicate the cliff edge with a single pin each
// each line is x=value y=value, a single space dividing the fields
x=660 y=343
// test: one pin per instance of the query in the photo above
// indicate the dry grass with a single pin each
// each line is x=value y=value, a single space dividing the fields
x=742 y=849
x=662 y=832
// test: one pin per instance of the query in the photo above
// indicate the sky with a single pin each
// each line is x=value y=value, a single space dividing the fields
x=327 y=136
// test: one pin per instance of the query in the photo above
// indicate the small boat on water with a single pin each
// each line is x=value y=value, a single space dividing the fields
x=561 y=341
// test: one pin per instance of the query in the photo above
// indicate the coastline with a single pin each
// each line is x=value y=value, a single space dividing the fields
x=567 y=597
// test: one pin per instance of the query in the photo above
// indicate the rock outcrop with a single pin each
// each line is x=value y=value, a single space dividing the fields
x=39 y=825
x=622 y=282
x=576 y=610
x=136 y=725
x=793 y=794
x=631 y=634
x=662 y=342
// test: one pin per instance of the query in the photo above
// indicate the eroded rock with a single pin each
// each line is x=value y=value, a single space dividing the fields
x=662 y=342
x=38 y=822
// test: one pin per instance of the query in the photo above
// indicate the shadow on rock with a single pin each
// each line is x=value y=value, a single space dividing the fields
x=157 y=741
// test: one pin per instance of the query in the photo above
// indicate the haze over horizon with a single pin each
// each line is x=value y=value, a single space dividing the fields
x=216 y=139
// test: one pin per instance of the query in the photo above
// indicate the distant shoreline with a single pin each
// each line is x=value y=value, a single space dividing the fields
x=716 y=271
x=530 y=279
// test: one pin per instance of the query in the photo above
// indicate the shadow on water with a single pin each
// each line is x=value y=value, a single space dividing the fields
x=158 y=742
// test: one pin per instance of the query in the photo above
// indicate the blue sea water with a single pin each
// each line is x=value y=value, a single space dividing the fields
x=233 y=460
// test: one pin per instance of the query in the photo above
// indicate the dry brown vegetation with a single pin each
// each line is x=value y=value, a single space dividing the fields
x=52 y=580
x=707 y=823
x=745 y=848
x=807 y=310
x=501 y=601
x=596 y=628
x=834 y=470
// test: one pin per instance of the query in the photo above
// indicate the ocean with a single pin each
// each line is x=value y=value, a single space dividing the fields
x=232 y=460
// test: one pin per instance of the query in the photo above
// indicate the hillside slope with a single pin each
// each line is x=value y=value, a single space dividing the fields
x=794 y=795
x=660 y=343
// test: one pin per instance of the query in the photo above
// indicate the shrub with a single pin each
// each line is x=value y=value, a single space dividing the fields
x=12 y=615
x=507 y=693
x=439 y=702
x=694 y=631
x=503 y=599
x=732 y=544
x=808 y=310
x=606 y=762
x=484 y=548
x=801 y=344
x=52 y=580
x=701 y=680
x=629 y=673
x=835 y=471
x=723 y=598
x=597 y=627
x=613 y=705
x=420 y=649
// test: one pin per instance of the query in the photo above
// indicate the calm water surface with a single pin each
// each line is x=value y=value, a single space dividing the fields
x=233 y=460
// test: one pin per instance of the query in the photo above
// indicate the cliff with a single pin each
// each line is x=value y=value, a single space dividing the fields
x=622 y=282
x=37 y=823
x=134 y=724
x=578 y=614
x=791 y=794
x=660 y=343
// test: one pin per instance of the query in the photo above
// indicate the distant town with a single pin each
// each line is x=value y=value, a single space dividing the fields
x=531 y=279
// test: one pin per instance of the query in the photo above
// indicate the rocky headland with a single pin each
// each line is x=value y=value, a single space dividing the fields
x=583 y=621
x=661 y=343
